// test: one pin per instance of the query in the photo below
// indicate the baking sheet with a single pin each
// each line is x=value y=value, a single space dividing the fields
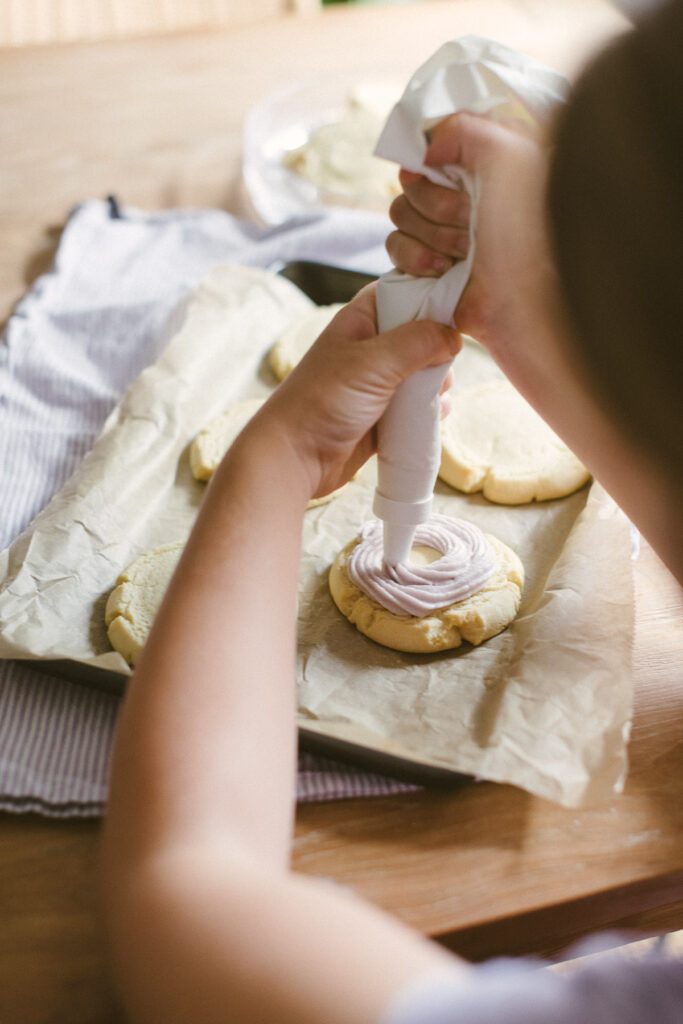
x=545 y=705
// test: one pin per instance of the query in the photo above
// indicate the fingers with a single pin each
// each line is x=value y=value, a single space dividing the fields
x=400 y=352
x=468 y=140
x=358 y=318
x=408 y=348
x=404 y=350
x=413 y=257
x=432 y=224
x=413 y=347
x=439 y=224
x=432 y=221
x=436 y=203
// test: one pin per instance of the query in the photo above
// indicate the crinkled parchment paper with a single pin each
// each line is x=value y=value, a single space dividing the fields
x=545 y=705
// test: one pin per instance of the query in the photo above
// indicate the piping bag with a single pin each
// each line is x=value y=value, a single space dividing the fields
x=482 y=77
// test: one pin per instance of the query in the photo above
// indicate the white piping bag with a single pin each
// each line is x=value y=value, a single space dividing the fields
x=482 y=77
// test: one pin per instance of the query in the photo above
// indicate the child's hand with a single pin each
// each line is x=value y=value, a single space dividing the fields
x=329 y=405
x=432 y=222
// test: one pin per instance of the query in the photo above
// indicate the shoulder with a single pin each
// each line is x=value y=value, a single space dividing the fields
x=614 y=990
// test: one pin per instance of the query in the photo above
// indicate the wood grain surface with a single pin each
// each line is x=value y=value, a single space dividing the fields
x=484 y=868
x=26 y=22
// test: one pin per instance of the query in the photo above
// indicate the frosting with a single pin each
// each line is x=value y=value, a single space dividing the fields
x=466 y=563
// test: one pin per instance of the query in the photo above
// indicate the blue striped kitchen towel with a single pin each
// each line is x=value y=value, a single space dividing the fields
x=70 y=349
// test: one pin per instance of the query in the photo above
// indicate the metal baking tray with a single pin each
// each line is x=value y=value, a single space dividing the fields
x=324 y=284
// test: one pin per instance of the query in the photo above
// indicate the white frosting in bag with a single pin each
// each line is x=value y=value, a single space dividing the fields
x=467 y=561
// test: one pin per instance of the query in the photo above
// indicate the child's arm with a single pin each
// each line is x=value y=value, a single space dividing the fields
x=513 y=305
x=206 y=923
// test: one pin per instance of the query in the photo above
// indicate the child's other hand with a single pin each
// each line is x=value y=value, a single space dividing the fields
x=432 y=221
x=433 y=226
x=329 y=405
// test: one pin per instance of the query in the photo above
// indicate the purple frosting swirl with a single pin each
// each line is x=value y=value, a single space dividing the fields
x=467 y=561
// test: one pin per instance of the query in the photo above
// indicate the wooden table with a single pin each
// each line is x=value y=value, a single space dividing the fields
x=485 y=868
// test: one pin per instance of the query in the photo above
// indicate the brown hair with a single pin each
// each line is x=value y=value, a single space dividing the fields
x=615 y=199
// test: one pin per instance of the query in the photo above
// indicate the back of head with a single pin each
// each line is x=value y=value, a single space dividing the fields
x=615 y=201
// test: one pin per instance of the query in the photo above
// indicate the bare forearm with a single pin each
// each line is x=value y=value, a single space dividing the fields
x=206 y=740
x=198 y=900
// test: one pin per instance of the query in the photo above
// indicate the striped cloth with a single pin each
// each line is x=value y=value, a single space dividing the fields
x=71 y=347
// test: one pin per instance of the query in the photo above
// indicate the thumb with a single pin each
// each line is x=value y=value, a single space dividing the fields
x=414 y=346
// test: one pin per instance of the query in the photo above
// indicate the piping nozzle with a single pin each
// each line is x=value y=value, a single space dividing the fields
x=400 y=519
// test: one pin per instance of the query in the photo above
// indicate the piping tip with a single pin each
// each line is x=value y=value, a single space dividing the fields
x=398 y=541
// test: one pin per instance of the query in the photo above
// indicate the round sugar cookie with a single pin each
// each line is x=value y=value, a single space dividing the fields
x=298 y=338
x=134 y=601
x=474 y=619
x=212 y=442
x=493 y=441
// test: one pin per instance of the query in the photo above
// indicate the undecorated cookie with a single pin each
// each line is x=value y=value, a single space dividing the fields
x=134 y=602
x=493 y=441
x=298 y=338
x=211 y=443
x=474 y=619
